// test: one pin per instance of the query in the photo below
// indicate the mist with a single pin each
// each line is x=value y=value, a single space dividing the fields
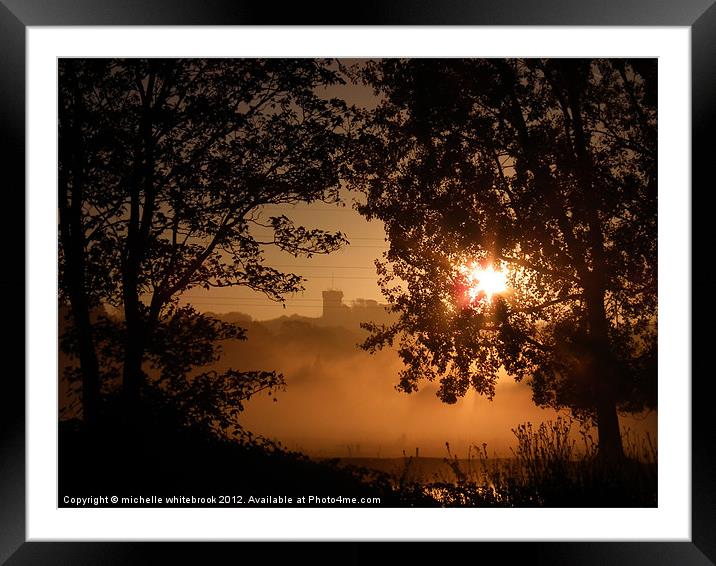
x=341 y=401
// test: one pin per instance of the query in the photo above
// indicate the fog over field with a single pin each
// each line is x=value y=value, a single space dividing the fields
x=341 y=401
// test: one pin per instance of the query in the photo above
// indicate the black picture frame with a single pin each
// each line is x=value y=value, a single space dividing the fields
x=17 y=15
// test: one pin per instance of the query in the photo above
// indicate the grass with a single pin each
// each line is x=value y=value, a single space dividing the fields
x=550 y=468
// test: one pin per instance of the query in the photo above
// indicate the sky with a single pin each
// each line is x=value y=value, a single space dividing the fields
x=351 y=269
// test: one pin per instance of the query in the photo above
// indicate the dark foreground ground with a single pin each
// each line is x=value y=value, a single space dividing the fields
x=212 y=472
x=185 y=469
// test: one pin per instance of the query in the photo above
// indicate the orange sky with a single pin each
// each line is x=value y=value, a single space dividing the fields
x=350 y=269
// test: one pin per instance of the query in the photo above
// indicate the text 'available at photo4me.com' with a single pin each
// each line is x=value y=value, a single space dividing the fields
x=216 y=501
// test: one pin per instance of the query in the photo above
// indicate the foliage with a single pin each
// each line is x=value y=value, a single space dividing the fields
x=184 y=344
x=546 y=168
x=166 y=170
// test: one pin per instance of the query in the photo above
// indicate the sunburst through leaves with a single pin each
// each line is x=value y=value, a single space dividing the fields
x=480 y=283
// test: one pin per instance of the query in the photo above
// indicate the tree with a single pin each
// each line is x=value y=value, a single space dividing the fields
x=545 y=168
x=165 y=167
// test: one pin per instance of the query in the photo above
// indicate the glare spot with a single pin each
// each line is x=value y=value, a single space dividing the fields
x=483 y=282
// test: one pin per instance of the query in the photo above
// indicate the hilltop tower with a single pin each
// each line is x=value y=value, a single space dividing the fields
x=332 y=303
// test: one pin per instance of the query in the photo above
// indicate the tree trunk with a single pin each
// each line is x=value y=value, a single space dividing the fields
x=74 y=281
x=140 y=222
x=134 y=347
x=132 y=374
x=610 y=441
x=604 y=366
x=604 y=378
x=89 y=365
x=72 y=241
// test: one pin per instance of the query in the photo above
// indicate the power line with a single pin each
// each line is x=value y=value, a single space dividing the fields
x=370 y=247
x=269 y=303
x=362 y=238
x=244 y=300
x=351 y=246
x=326 y=266
x=306 y=209
x=242 y=305
x=340 y=277
x=235 y=298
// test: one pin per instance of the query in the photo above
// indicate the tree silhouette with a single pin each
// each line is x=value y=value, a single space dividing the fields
x=164 y=169
x=546 y=168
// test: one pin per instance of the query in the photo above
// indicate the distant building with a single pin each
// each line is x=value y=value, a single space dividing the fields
x=332 y=304
x=367 y=304
x=335 y=313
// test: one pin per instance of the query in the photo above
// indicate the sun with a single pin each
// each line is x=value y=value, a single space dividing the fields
x=483 y=282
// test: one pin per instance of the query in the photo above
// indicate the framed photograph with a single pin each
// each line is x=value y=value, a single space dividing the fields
x=413 y=274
